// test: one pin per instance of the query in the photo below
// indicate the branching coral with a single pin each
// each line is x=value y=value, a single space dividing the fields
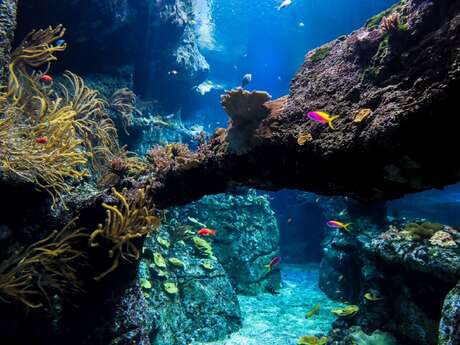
x=44 y=268
x=172 y=157
x=123 y=101
x=130 y=220
x=122 y=163
x=392 y=23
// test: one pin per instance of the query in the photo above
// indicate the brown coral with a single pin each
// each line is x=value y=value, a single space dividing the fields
x=173 y=157
x=246 y=111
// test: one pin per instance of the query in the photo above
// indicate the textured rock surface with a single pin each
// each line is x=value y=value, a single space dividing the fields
x=154 y=37
x=170 y=63
x=7 y=26
x=247 y=236
x=205 y=308
x=412 y=276
x=416 y=78
x=449 y=327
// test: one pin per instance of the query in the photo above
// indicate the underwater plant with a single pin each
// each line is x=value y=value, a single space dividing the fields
x=123 y=102
x=35 y=50
x=50 y=136
x=392 y=24
x=131 y=220
x=46 y=267
x=320 y=53
x=421 y=231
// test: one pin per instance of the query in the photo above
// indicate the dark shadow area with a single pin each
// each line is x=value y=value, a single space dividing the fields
x=301 y=226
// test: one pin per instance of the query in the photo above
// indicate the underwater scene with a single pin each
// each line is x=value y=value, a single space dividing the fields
x=229 y=172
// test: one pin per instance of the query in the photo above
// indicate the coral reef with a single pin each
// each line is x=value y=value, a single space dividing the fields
x=392 y=141
x=8 y=10
x=246 y=110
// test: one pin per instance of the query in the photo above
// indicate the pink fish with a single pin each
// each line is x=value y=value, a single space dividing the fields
x=275 y=261
x=322 y=117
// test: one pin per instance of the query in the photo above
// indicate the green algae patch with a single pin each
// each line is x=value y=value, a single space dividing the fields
x=320 y=53
x=171 y=288
x=163 y=242
x=145 y=284
x=203 y=246
x=207 y=264
x=176 y=262
x=159 y=260
x=374 y=22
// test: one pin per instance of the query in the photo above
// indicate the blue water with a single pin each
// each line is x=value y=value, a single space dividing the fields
x=254 y=37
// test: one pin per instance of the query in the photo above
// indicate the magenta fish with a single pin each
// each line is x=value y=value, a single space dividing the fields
x=275 y=261
x=322 y=117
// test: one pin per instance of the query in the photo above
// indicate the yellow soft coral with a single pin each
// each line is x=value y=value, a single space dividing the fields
x=129 y=220
x=47 y=266
x=34 y=51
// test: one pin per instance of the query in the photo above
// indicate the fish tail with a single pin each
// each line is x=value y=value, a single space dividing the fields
x=268 y=267
x=330 y=121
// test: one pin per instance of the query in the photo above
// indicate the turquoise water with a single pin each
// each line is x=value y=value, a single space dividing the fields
x=280 y=319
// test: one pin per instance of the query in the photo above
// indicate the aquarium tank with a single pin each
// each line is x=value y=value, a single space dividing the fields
x=229 y=172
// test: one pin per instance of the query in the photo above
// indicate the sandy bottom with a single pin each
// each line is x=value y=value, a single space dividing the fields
x=280 y=319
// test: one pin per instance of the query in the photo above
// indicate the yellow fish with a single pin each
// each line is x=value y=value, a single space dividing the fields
x=313 y=311
x=371 y=297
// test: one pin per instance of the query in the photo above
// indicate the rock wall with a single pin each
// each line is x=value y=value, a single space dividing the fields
x=156 y=38
x=7 y=26
x=247 y=236
x=170 y=63
x=411 y=274
x=204 y=307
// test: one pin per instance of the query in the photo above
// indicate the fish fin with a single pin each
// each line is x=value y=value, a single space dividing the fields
x=330 y=121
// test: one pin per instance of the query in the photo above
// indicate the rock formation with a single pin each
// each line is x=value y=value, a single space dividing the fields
x=247 y=236
x=7 y=27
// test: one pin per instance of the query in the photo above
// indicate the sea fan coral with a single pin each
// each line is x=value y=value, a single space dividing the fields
x=47 y=266
x=131 y=220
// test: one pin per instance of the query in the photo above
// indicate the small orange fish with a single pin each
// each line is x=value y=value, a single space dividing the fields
x=46 y=78
x=207 y=232
x=41 y=140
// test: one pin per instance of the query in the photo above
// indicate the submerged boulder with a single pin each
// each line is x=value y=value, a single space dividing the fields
x=188 y=296
x=247 y=236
